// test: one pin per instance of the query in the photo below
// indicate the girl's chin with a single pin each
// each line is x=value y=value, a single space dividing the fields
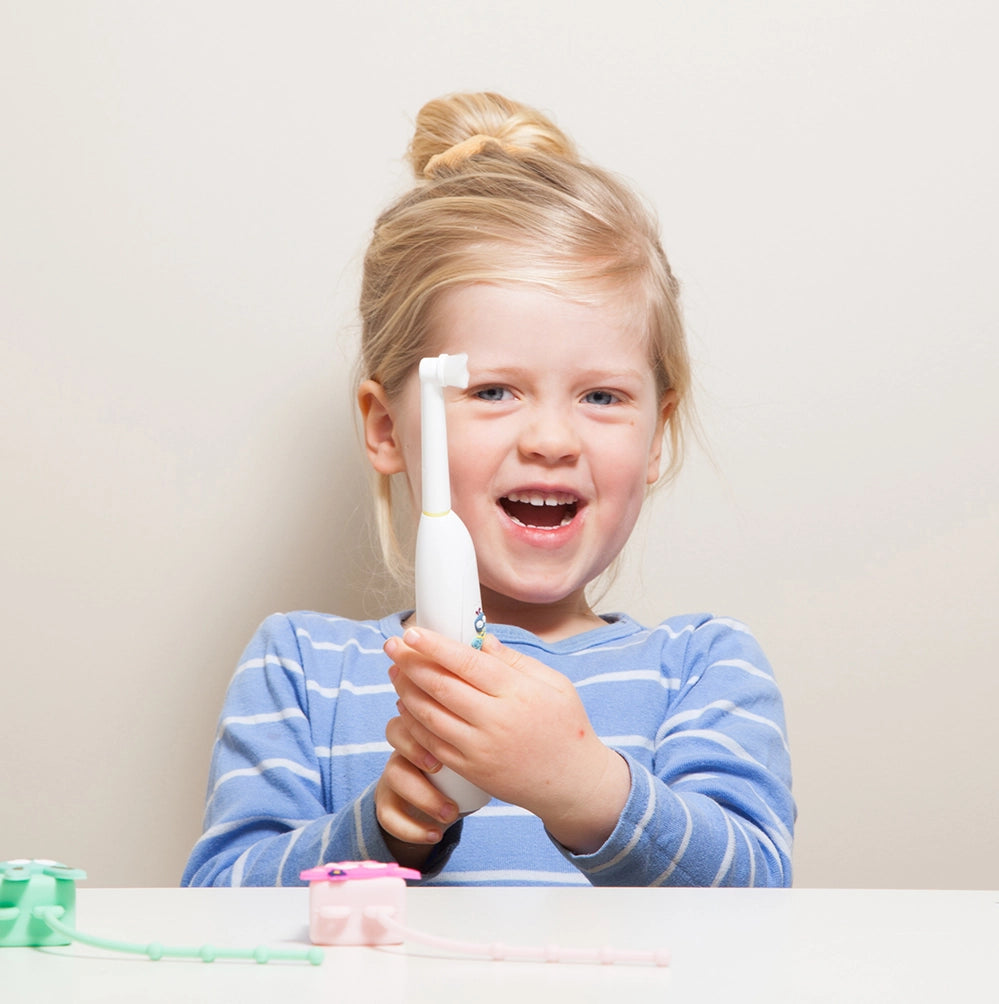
x=528 y=596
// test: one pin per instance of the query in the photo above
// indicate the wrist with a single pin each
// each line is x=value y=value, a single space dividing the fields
x=584 y=827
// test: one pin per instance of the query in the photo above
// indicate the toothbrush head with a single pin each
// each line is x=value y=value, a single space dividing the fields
x=445 y=370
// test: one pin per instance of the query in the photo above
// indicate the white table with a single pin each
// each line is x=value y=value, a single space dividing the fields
x=742 y=945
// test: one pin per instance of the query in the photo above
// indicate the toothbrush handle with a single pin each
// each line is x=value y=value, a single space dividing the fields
x=466 y=795
x=447 y=580
x=448 y=601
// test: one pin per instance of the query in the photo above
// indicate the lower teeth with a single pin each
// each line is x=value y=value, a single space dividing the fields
x=566 y=520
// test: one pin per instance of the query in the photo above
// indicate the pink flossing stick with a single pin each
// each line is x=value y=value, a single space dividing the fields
x=498 y=951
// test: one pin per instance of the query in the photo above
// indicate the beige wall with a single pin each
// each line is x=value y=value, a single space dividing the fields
x=184 y=193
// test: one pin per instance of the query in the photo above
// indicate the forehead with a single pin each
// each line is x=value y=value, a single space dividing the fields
x=534 y=322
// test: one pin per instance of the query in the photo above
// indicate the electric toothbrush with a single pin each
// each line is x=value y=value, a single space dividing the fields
x=447 y=577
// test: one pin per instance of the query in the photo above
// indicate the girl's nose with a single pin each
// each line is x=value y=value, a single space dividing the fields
x=551 y=437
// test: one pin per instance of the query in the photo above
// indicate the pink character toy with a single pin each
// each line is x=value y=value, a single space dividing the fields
x=348 y=899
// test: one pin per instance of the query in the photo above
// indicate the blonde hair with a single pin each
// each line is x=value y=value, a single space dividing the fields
x=502 y=196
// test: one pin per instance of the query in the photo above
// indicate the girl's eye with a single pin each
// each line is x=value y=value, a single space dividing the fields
x=600 y=397
x=492 y=394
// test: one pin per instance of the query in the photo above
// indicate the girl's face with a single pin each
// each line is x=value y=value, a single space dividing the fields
x=551 y=446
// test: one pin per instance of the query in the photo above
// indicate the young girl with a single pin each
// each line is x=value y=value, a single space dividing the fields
x=616 y=754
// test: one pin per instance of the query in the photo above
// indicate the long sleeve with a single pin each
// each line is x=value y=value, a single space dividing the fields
x=266 y=815
x=282 y=797
x=710 y=801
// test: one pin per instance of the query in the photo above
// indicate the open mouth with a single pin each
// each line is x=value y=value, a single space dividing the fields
x=540 y=510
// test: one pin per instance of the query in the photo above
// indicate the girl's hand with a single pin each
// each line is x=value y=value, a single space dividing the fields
x=412 y=813
x=512 y=726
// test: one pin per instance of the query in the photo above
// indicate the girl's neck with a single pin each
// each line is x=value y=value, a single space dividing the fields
x=549 y=621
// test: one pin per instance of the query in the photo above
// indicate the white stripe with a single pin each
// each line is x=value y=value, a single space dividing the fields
x=332 y=646
x=238 y=824
x=681 y=850
x=265 y=765
x=510 y=875
x=269 y=660
x=350 y=688
x=642 y=638
x=352 y=625
x=269 y=716
x=746 y=667
x=352 y=749
x=324 y=842
x=630 y=676
x=752 y=853
x=237 y=868
x=724 y=705
x=359 y=830
x=782 y=836
x=688 y=716
x=768 y=843
x=760 y=720
x=710 y=735
x=284 y=857
x=632 y=742
x=729 y=623
x=700 y=775
x=636 y=834
x=729 y=852
x=686 y=629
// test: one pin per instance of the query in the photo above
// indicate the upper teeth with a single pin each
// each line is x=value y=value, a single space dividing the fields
x=542 y=498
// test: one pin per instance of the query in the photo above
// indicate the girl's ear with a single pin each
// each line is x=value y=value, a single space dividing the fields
x=666 y=408
x=381 y=439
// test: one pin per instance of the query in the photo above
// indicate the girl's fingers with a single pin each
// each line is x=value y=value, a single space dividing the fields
x=427 y=738
x=443 y=702
x=397 y=823
x=401 y=740
x=409 y=807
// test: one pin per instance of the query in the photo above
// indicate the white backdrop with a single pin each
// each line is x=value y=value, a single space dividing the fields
x=185 y=191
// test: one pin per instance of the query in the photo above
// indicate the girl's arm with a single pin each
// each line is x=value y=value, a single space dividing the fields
x=715 y=808
x=272 y=809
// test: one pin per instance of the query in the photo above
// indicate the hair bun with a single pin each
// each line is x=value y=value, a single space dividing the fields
x=451 y=129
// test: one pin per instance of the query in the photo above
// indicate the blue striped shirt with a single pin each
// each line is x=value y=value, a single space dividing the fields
x=691 y=705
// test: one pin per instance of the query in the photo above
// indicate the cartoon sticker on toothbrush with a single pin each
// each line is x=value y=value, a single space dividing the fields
x=480 y=628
